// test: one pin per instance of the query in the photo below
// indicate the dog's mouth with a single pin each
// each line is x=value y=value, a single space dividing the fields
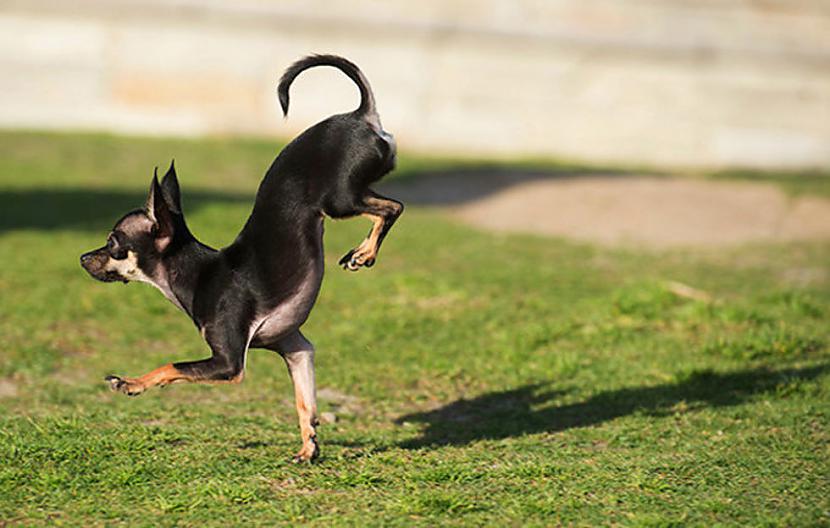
x=110 y=276
x=106 y=276
x=94 y=262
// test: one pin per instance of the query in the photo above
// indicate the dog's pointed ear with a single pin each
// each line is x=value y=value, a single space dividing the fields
x=152 y=197
x=159 y=213
x=170 y=189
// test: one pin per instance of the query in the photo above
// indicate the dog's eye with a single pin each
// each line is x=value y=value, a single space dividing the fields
x=116 y=251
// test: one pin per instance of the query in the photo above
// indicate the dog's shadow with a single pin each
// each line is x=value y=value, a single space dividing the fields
x=93 y=209
x=533 y=409
x=459 y=185
x=89 y=209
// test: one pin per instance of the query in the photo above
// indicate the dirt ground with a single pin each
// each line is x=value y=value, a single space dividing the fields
x=623 y=210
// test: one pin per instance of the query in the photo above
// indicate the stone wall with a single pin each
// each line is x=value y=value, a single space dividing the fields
x=687 y=83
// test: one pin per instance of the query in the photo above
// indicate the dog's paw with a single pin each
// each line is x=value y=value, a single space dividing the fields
x=124 y=385
x=357 y=258
x=308 y=453
x=349 y=262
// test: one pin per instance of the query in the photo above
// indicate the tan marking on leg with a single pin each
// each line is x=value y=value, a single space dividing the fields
x=163 y=376
x=368 y=249
x=234 y=380
x=298 y=354
x=160 y=377
x=307 y=415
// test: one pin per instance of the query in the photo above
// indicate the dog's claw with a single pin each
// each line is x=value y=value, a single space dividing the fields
x=114 y=381
x=118 y=384
x=346 y=259
x=350 y=261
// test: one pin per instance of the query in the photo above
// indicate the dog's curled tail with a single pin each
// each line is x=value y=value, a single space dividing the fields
x=367 y=99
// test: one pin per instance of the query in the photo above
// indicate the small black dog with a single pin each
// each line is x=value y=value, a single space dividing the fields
x=258 y=291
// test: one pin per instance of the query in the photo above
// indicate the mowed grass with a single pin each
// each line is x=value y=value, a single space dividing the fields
x=476 y=379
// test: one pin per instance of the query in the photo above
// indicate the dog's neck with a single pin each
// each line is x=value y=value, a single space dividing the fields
x=178 y=272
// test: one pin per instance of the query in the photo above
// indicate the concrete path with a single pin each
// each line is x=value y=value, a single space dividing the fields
x=628 y=210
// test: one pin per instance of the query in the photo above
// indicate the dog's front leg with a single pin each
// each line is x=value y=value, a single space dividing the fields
x=383 y=212
x=226 y=365
x=298 y=353
x=134 y=386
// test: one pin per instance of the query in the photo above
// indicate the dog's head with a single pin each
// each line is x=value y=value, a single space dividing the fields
x=137 y=243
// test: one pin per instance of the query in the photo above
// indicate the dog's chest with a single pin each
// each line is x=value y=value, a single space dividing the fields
x=292 y=312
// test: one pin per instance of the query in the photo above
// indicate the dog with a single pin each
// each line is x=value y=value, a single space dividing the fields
x=258 y=291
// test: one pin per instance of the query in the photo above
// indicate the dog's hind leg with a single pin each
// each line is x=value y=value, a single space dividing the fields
x=298 y=353
x=383 y=212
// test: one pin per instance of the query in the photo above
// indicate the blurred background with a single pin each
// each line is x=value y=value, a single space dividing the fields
x=668 y=83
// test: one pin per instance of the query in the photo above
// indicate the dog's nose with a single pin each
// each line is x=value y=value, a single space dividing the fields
x=85 y=258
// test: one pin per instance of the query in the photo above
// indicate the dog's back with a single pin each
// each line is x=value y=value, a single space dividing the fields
x=332 y=162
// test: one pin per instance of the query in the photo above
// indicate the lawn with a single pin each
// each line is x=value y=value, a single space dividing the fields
x=476 y=379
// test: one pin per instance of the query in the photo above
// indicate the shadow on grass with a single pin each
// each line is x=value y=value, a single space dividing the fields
x=456 y=186
x=88 y=209
x=528 y=409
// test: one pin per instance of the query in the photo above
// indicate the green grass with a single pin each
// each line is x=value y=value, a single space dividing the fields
x=477 y=379
x=795 y=182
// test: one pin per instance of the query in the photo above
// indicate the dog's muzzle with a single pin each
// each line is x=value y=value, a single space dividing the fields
x=94 y=262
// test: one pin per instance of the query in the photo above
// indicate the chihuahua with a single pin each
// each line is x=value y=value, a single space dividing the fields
x=258 y=291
